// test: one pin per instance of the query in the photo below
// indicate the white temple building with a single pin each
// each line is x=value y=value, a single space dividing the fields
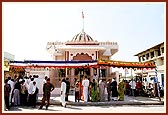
x=81 y=47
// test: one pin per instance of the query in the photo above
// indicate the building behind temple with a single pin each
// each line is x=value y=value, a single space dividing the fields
x=156 y=54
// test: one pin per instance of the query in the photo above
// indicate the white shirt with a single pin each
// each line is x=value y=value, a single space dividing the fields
x=32 y=88
x=133 y=84
x=145 y=84
x=26 y=83
x=85 y=83
x=37 y=82
x=63 y=87
x=11 y=84
x=44 y=81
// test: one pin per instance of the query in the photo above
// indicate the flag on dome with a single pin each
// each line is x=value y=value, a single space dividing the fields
x=82 y=14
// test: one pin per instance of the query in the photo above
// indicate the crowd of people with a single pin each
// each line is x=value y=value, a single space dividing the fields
x=148 y=88
x=21 y=91
x=99 y=90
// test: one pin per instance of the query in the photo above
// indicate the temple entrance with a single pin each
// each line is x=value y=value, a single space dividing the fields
x=81 y=72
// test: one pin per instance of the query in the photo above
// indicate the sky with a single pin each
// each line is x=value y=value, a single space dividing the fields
x=27 y=27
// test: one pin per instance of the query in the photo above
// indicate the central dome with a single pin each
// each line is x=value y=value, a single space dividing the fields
x=82 y=38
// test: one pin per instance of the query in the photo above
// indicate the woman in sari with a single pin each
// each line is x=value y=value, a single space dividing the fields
x=94 y=91
x=121 y=88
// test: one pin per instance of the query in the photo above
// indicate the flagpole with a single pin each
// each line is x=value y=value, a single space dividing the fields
x=83 y=20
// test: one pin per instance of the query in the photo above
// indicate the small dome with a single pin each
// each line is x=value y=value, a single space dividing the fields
x=82 y=38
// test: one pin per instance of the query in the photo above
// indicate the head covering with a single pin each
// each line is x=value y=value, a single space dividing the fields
x=121 y=80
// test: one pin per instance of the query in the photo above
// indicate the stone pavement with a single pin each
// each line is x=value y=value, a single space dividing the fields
x=129 y=100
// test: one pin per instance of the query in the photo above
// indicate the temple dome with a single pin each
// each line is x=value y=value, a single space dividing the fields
x=82 y=38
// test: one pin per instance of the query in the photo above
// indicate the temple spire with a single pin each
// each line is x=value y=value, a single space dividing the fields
x=83 y=21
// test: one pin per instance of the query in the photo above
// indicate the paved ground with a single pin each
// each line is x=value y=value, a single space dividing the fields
x=129 y=105
x=92 y=109
x=129 y=100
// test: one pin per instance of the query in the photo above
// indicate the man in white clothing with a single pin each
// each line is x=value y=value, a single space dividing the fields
x=63 y=92
x=85 y=84
x=31 y=91
x=133 y=87
x=32 y=95
x=12 y=87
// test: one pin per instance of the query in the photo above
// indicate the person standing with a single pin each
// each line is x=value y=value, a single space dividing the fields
x=7 y=90
x=109 y=89
x=36 y=79
x=102 y=90
x=133 y=87
x=80 y=88
x=67 y=88
x=77 y=89
x=121 y=89
x=89 y=89
x=32 y=94
x=114 y=90
x=47 y=89
x=23 y=95
x=45 y=80
x=94 y=91
x=63 y=92
x=16 y=93
x=12 y=84
x=145 y=84
x=85 y=84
